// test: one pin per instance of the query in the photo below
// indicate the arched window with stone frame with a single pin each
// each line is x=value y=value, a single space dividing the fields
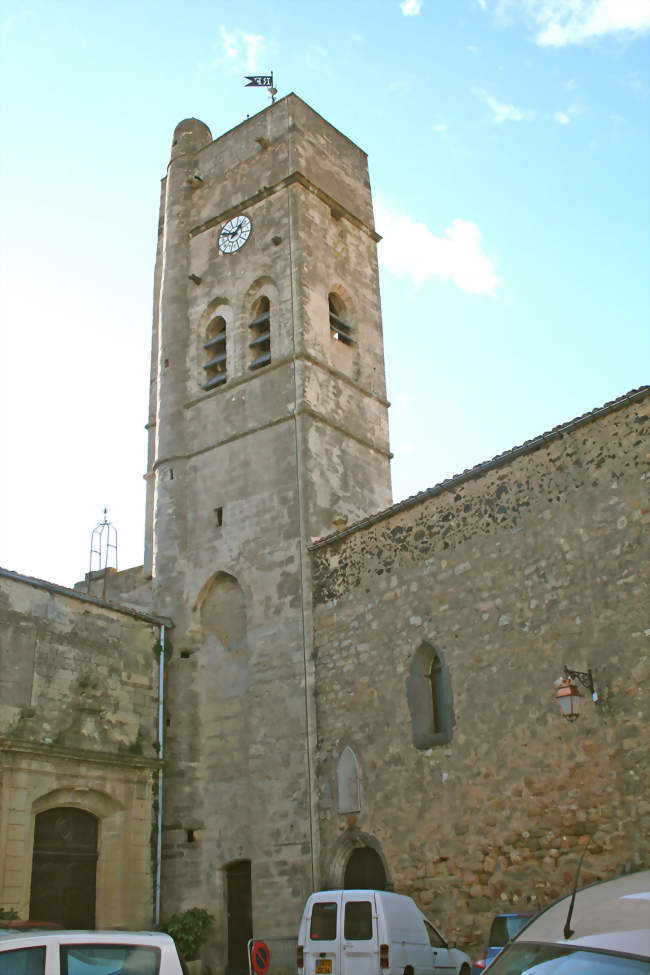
x=341 y=329
x=260 y=334
x=429 y=696
x=215 y=348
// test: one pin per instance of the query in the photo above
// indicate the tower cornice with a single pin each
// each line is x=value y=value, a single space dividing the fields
x=338 y=210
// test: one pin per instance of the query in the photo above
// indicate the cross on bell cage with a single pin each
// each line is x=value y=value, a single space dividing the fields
x=568 y=695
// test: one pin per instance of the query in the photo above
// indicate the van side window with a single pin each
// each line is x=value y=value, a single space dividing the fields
x=323 y=921
x=436 y=940
x=357 y=925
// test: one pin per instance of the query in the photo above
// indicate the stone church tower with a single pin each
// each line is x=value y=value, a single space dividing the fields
x=268 y=427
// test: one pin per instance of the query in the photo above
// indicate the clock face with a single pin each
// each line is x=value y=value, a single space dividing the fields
x=234 y=234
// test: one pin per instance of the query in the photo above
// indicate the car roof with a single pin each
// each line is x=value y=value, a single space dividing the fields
x=18 y=938
x=612 y=915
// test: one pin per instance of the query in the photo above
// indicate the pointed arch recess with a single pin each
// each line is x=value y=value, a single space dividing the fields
x=221 y=605
x=348 y=780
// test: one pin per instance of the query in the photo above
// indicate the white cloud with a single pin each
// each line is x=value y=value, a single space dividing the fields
x=240 y=50
x=482 y=4
x=441 y=127
x=410 y=248
x=566 y=115
x=411 y=8
x=502 y=112
x=560 y=23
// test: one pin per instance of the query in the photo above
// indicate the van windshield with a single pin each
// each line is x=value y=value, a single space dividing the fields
x=357 y=925
x=323 y=921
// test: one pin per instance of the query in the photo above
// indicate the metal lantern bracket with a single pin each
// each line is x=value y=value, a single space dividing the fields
x=585 y=678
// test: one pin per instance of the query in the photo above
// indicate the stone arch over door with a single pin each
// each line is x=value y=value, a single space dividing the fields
x=123 y=892
x=64 y=867
x=358 y=861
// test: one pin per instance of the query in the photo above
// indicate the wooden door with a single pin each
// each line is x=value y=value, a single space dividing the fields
x=240 y=916
x=64 y=867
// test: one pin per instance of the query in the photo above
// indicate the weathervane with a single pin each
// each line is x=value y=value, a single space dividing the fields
x=262 y=81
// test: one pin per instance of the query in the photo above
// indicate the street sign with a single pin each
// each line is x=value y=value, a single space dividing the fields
x=259 y=81
x=260 y=958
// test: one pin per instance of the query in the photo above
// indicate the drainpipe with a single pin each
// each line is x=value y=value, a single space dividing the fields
x=161 y=699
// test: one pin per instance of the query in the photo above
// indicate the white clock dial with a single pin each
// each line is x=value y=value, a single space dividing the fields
x=234 y=234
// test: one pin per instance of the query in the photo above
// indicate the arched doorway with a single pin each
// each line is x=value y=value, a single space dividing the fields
x=64 y=867
x=365 y=870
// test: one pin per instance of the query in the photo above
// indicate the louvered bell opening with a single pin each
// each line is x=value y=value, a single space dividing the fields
x=217 y=380
x=263 y=319
x=340 y=330
x=216 y=361
x=260 y=341
x=261 y=360
x=216 y=341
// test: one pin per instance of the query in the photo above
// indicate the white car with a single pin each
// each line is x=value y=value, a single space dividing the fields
x=88 y=953
x=605 y=931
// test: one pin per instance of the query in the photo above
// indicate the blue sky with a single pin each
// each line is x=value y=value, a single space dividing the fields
x=508 y=153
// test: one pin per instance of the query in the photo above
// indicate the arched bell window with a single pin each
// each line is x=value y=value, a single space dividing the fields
x=260 y=334
x=215 y=349
x=340 y=328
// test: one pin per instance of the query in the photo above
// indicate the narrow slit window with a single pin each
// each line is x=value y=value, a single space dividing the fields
x=215 y=350
x=260 y=334
x=340 y=329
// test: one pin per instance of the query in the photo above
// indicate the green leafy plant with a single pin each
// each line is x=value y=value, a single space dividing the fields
x=8 y=914
x=189 y=931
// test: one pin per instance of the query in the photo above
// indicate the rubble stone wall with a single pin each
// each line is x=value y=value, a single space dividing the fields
x=509 y=572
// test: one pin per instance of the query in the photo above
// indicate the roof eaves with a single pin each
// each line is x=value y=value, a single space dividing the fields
x=528 y=447
x=54 y=587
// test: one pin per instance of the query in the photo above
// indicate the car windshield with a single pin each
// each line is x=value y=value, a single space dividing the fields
x=522 y=958
x=505 y=928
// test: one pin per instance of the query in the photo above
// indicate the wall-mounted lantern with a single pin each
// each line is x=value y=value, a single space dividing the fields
x=568 y=695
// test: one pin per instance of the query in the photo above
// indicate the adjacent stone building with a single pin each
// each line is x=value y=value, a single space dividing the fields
x=79 y=758
x=373 y=707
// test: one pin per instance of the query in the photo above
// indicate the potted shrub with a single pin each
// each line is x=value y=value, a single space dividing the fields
x=189 y=931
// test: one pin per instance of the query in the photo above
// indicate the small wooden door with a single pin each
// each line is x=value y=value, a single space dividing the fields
x=240 y=916
x=64 y=867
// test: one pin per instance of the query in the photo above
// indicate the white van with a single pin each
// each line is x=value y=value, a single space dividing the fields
x=372 y=932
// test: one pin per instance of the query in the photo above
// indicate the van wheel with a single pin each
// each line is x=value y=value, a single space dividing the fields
x=408 y=970
x=464 y=970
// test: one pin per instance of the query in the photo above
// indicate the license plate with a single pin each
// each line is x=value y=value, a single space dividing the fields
x=323 y=966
